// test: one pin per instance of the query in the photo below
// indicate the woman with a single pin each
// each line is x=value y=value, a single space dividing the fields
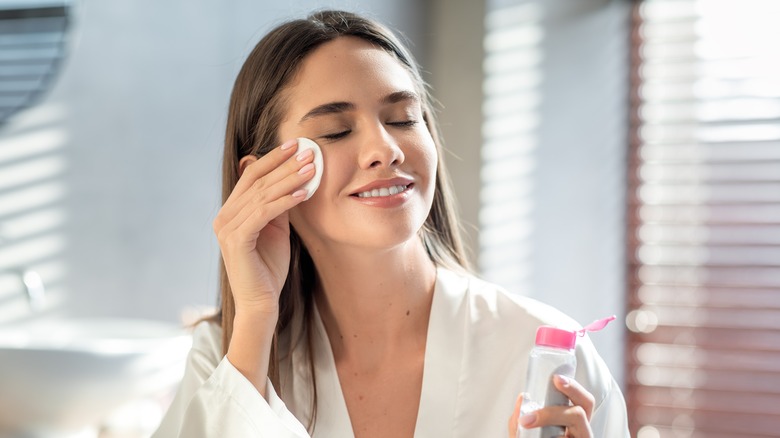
x=352 y=313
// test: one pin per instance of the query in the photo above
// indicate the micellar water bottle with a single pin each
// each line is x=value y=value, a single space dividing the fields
x=553 y=353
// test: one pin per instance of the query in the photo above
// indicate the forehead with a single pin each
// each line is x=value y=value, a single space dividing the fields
x=346 y=69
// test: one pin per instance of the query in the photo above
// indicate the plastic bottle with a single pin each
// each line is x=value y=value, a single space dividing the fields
x=553 y=353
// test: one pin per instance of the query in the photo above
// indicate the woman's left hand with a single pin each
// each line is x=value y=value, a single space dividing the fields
x=575 y=418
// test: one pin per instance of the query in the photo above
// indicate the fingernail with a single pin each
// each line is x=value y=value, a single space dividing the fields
x=528 y=420
x=306 y=168
x=289 y=144
x=304 y=155
x=563 y=380
x=299 y=194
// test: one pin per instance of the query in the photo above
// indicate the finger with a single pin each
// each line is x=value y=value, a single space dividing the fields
x=578 y=395
x=293 y=164
x=580 y=425
x=260 y=218
x=265 y=190
x=262 y=207
x=259 y=186
x=282 y=181
x=237 y=210
x=515 y=416
x=241 y=234
x=573 y=418
x=265 y=164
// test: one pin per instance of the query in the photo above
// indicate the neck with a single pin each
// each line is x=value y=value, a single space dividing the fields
x=372 y=302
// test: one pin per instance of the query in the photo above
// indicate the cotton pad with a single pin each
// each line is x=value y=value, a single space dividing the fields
x=312 y=184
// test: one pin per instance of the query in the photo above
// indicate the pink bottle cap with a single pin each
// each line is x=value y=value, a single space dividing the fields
x=548 y=336
x=554 y=337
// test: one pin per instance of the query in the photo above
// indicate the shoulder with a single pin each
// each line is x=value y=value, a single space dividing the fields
x=492 y=304
x=497 y=316
x=207 y=334
x=207 y=343
x=502 y=326
x=494 y=322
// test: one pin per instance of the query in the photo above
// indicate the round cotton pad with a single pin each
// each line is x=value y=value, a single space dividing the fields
x=314 y=182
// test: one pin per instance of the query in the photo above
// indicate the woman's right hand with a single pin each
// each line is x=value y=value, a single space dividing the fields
x=253 y=231
x=253 y=228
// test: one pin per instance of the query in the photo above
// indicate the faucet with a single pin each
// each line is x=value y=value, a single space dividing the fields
x=32 y=282
x=33 y=286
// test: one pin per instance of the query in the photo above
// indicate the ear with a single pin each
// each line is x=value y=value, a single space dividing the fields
x=246 y=161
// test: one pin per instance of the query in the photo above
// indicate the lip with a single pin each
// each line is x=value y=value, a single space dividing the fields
x=383 y=183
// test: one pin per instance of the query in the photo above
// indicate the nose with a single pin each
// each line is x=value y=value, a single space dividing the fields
x=379 y=149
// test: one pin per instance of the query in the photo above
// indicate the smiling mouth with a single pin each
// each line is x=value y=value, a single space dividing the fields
x=383 y=192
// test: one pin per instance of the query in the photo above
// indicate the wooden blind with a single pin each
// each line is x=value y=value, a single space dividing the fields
x=704 y=220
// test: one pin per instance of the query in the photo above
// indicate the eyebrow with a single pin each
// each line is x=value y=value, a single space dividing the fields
x=340 y=107
x=400 y=96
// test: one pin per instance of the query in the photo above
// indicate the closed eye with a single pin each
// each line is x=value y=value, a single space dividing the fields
x=342 y=134
x=337 y=135
x=404 y=123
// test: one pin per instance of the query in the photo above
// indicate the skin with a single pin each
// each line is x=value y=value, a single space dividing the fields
x=375 y=279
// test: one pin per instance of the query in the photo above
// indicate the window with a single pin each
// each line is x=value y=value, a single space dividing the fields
x=704 y=220
x=32 y=46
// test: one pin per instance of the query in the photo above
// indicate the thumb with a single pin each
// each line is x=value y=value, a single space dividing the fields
x=515 y=415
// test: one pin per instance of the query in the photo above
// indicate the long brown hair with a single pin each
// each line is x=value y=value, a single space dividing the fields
x=256 y=110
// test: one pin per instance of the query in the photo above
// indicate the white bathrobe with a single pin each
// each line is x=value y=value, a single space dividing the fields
x=479 y=338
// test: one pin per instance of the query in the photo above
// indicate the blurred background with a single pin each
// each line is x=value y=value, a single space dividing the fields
x=609 y=157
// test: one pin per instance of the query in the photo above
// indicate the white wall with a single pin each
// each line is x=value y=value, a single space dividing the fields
x=126 y=150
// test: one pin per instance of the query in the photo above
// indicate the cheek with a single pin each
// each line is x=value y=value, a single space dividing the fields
x=309 y=212
x=308 y=219
x=297 y=215
x=425 y=145
x=429 y=159
x=338 y=168
x=432 y=157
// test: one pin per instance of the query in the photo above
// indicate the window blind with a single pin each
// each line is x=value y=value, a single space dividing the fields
x=32 y=48
x=512 y=97
x=704 y=220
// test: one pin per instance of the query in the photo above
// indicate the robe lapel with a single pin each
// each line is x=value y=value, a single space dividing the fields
x=332 y=415
x=442 y=376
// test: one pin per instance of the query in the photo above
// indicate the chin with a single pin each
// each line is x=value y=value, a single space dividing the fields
x=372 y=230
x=372 y=236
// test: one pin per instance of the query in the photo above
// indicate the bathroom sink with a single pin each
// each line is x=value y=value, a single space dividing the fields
x=61 y=377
